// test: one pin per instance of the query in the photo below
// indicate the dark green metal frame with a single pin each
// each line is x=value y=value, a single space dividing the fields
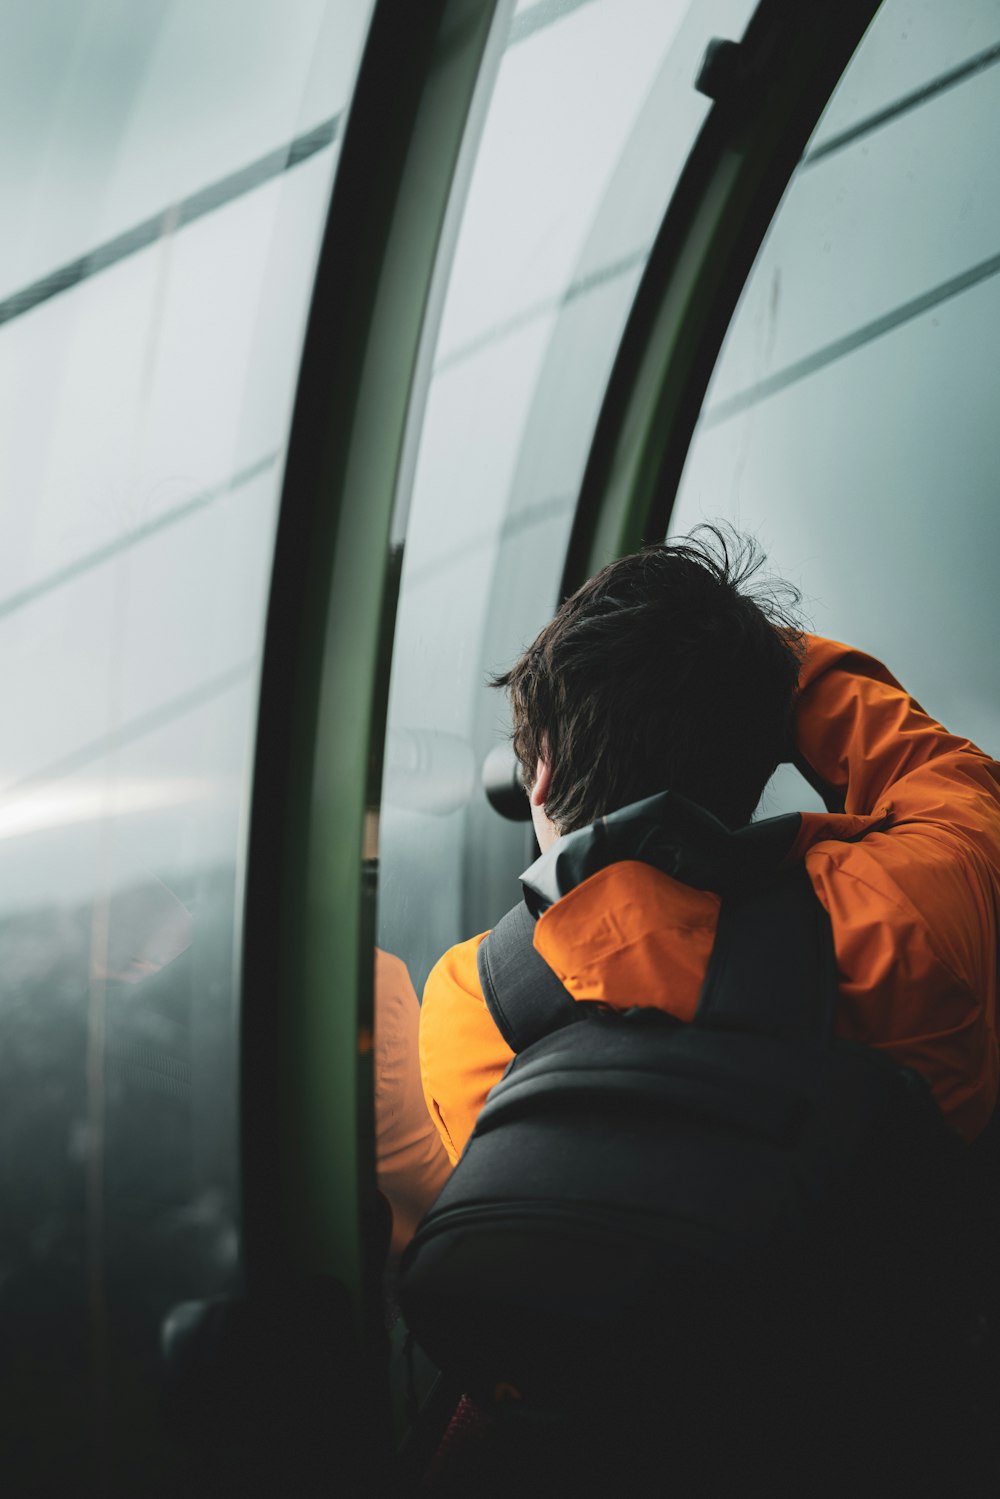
x=309 y=1209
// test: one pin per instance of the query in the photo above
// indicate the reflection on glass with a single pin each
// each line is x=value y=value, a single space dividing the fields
x=167 y=174
x=411 y=1163
x=850 y=420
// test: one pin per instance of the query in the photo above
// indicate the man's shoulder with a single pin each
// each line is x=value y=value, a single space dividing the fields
x=462 y=1054
x=456 y=974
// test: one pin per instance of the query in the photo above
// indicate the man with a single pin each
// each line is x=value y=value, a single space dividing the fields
x=666 y=672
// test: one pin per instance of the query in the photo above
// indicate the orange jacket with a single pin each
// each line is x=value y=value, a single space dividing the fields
x=913 y=905
x=410 y=1164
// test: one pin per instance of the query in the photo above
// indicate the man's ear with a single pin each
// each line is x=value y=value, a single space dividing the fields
x=543 y=780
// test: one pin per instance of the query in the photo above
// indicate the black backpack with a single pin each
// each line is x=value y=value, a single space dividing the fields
x=742 y=1205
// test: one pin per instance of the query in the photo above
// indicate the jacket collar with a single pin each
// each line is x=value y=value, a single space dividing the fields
x=686 y=842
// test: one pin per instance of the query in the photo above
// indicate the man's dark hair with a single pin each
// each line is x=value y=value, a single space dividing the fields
x=666 y=671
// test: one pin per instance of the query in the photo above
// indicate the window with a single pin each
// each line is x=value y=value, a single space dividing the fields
x=167 y=173
x=849 y=420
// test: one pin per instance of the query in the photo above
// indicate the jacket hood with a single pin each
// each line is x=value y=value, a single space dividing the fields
x=684 y=841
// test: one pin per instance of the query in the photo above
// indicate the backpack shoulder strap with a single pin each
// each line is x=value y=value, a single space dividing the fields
x=522 y=993
x=773 y=968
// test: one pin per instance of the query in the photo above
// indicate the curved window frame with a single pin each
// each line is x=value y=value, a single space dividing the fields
x=307 y=1150
x=770 y=91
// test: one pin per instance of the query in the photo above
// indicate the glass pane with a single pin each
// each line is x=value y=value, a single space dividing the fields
x=850 y=420
x=912 y=49
x=114 y=113
x=168 y=174
x=590 y=123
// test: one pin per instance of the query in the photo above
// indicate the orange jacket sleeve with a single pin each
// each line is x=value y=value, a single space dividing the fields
x=462 y=1054
x=864 y=735
x=914 y=907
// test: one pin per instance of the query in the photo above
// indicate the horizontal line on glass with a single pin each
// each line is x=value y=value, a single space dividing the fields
x=175 y=216
x=841 y=347
x=96 y=558
x=136 y=728
x=913 y=100
x=542 y=308
x=522 y=520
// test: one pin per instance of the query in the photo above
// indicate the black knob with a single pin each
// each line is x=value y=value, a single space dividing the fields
x=503 y=783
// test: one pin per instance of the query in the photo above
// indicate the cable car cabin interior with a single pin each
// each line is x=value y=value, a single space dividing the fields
x=340 y=343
